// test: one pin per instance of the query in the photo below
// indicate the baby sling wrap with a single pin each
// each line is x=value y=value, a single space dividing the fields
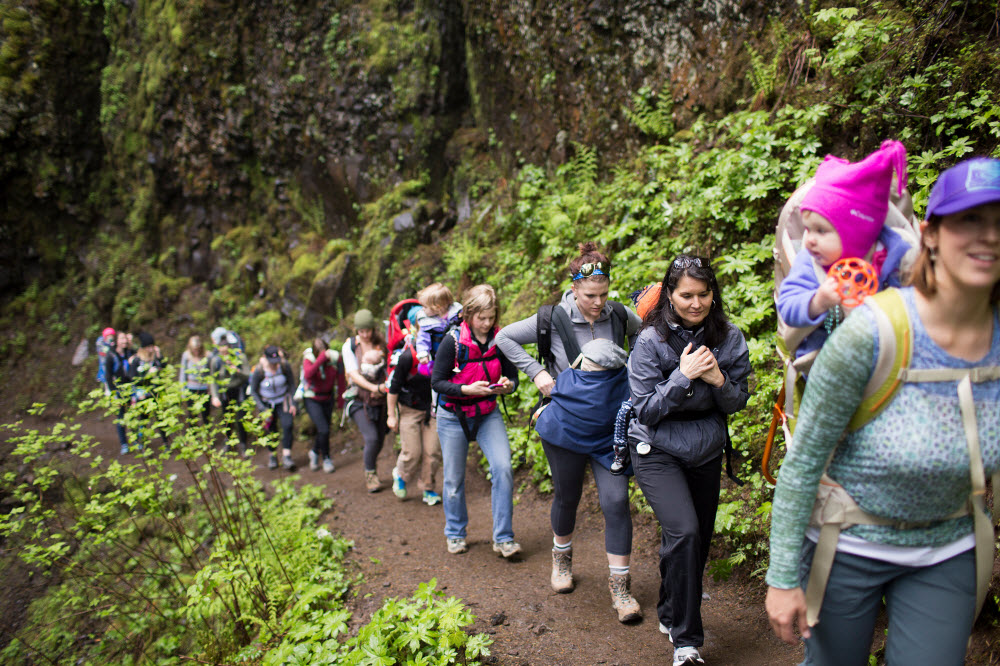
x=835 y=510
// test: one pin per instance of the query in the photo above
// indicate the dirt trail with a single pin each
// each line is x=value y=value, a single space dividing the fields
x=400 y=544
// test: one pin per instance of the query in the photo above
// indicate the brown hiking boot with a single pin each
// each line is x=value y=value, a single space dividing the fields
x=372 y=482
x=562 y=571
x=622 y=599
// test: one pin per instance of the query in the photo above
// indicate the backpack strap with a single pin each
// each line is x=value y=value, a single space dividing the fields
x=564 y=327
x=543 y=333
x=895 y=351
x=619 y=324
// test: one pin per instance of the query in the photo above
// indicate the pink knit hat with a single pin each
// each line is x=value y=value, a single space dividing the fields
x=855 y=196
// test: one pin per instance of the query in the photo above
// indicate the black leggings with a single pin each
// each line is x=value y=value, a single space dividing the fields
x=321 y=412
x=371 y=422
x=236 y=396
x=568 y=469
x=284 y=420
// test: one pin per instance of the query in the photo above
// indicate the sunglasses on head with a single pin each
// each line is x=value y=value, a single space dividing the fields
x=587 y=270
x=689 y=262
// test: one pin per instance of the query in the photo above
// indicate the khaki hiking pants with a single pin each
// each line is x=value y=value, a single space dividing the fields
x=421 y=450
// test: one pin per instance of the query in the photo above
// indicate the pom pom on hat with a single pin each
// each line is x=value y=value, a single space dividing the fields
x=854 y=196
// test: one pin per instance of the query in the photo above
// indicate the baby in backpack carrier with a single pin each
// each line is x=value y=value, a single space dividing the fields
x=372 y=366
x=843 y=216
x=439 y=312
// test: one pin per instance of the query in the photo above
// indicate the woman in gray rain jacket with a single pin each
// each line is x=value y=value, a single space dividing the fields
x=688 y=371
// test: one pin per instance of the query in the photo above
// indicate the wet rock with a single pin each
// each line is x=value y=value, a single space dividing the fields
x=498 y=618
x=403 y=221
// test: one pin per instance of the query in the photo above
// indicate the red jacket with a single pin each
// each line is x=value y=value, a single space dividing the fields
x=321 y=377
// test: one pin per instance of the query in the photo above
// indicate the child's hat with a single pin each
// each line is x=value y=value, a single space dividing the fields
x=108 y=331
x=854 y=196
x=966 y=185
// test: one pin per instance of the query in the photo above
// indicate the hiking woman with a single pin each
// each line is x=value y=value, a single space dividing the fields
x=320 y=380
x=591 y=317
x=367 y=411
x=116 y=371
x=469 y=373
x=142 y=367
x=194 y=375
x=688 y=371
x=909 y=465
x=272 y=385
x=228 y=380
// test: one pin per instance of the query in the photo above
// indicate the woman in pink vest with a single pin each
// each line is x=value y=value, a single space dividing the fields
x=469 y=373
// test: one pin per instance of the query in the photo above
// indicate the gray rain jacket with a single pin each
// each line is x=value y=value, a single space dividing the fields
x=512 y=337
x=678 y=415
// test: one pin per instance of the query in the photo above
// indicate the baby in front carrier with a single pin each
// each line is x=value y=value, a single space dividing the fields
x=843 y=215
x=372 y=366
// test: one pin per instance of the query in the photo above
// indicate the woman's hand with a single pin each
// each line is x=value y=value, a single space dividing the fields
x=216 y=403
x=480 y=388
x=694 y=364
x=506 y=386
x=714 y=375
x=392 y=422
x=785 y=609
x=543 y=380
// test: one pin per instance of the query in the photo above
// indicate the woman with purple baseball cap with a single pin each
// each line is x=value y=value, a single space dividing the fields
x=916 y=471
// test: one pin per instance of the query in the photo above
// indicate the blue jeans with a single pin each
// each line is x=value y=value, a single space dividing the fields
x=492 y=439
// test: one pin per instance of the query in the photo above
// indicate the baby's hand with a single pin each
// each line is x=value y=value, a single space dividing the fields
x=825 y=298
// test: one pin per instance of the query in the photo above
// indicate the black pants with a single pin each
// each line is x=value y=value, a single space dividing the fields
x=371 y=422
x=321 y=412
x=283 y=419
x=684 y=500
x=568 y=469
x=235 y=396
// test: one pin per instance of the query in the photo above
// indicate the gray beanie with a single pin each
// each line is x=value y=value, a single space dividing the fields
x=602 y=355
x=364 y=320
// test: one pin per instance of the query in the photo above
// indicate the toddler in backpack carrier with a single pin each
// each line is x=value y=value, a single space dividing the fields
x=843 y=216
x=439 y=313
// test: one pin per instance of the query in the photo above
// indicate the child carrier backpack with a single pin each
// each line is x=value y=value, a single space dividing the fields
x=399 y=335
x=787 y=243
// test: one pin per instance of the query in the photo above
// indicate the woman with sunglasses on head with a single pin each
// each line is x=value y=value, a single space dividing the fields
x=917 y=467
x=689 y=370
x=586 y=311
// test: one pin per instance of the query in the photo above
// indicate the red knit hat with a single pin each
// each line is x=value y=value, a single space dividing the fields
x=855 y=196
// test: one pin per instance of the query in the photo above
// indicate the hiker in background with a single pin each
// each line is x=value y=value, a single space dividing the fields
x=320 y=380
x=229 y=376
x=104 y=344
x=143 y=367
x=688 y=371
x=115 y=372
x=410 y=397
x=194 y=375
x=272 y=385
x=909 y=465
x=439 y=313
x=574 y=441
x=368 y=409
x=843 y=215
x=469 y=373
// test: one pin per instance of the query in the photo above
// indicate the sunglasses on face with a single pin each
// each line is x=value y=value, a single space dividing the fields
x=596 y=268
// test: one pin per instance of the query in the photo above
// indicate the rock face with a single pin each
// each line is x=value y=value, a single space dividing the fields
x=223 y=135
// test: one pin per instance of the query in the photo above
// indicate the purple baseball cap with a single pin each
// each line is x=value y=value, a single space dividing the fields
x=966 y=185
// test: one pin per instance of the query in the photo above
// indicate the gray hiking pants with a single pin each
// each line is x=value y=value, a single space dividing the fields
x=930 y=610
